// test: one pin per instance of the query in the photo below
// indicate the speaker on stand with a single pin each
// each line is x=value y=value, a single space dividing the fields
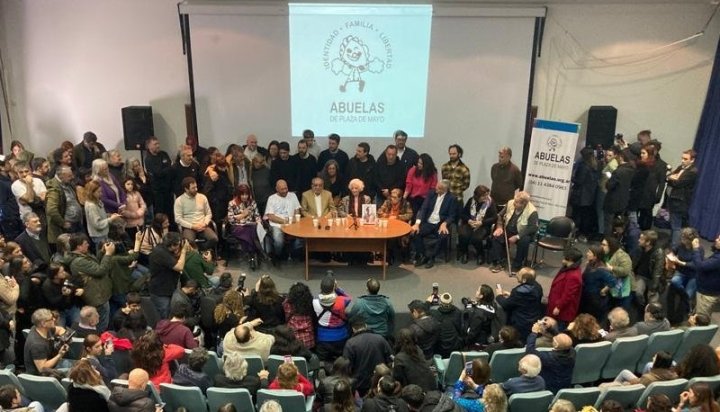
x=601 y=126
x=137 y=126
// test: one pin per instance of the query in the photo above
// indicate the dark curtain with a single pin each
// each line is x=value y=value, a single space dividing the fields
x=705 y=210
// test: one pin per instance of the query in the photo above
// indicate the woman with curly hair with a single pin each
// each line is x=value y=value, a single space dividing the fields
x=699 y=362
x=87 y=392
x=494 y=399
x=227 y=314
x=410 y=366
x=584 y=329
x=150 y=354
x=265 y=303
x=288 y=377
x=299 y=313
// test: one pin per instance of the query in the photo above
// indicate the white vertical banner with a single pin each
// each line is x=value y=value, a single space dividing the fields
x=549 y=167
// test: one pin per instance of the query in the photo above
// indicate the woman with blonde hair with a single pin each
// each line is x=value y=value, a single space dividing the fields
x=98 y=221
x=113 y=197
x=494 y=399
x=288 y=377
x=227 y=314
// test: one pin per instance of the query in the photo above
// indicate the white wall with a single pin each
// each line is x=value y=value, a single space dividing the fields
x=583 y=64
x=72 y=64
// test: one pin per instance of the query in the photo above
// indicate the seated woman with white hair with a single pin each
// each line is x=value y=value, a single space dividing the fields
x=235 y=375
x=351 y=205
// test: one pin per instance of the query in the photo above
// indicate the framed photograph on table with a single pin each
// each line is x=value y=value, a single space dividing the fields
x=369 y=214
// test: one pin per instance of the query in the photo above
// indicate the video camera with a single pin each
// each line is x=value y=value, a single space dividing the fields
x=59 y=340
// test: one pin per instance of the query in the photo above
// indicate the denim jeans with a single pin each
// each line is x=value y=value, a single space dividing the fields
x=685 y=283
x=677 y=221
x=162 y=305
x=104 y=312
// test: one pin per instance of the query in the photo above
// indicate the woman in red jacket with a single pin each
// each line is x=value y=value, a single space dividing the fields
x=288 y=377
x=150 y=354
x=566 y=290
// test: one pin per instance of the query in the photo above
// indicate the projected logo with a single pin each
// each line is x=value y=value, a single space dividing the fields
x=356 y=53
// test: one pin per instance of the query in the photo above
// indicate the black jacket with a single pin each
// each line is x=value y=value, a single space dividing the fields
x=130 y=400
x=557 y=365
x=584 y=184
x=364 y=171
x=365 y=350
x=643 y=188
x=523 y=307
x=426 y=331
x=618 y=189
x=383 y=403
x=249 y=382
x=483 y=323
x=180 y=172
x=411 y=371
x=389 y=176
x=679 y=193
x=285 y=170
x=439 y=402
x=450 y=336
x=159 y=169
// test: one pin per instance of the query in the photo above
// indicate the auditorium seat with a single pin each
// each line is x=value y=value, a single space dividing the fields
x=594 y=356
x=672 y=389
x=530 y=402
x=624 y=355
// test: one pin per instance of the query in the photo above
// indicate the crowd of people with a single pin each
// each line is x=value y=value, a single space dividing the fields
x=87 y=235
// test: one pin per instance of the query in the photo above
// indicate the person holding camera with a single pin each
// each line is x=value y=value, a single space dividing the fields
x=61 y=294
x=167 y=261
x=95 y=274
x=45 y=346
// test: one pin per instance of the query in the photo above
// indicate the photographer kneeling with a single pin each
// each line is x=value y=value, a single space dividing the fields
x=46 y=344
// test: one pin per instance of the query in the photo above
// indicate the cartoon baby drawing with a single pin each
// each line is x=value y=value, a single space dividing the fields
x=354 y=59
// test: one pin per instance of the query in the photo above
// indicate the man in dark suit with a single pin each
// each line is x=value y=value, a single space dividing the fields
x=431 y=223
x=33 y=241
x=679 y=193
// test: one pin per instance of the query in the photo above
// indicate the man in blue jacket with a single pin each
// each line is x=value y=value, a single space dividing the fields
x=523 y=305
x=432 y=223
x=557 y=364
x=376 y=309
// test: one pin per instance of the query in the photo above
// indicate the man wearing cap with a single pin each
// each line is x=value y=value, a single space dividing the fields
x=424 y=327
x=449 y=318
x=88 y=150
x=558 y=364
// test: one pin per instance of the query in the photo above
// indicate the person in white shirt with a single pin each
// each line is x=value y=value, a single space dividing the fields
x=431 y=223
x=278 y=211
x=28 y=190
x=193 y=215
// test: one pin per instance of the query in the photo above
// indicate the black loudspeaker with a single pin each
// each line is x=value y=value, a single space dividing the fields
x=601 y=126
x=137 y=126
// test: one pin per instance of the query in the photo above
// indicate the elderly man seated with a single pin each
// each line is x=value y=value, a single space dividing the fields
x=620 y=325
x=431 y=223
x=317 y=202
x=518 y=223
x=529 y=379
